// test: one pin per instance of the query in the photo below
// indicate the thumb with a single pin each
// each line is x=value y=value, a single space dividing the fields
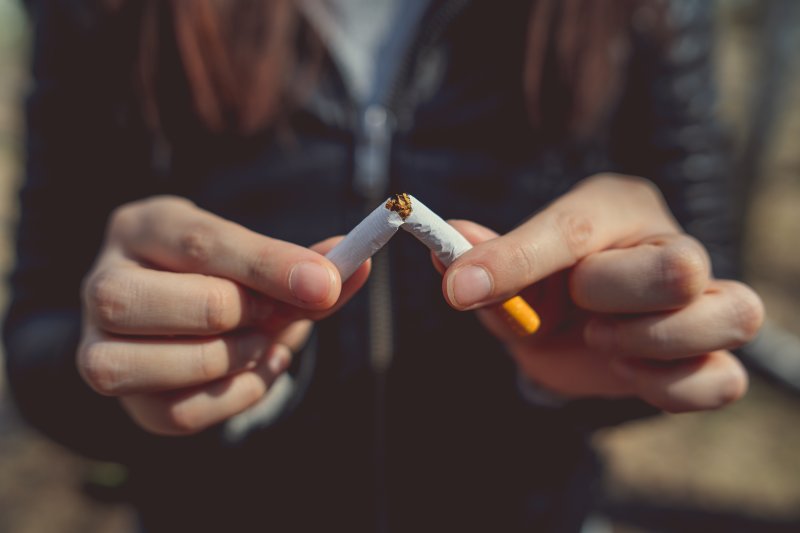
x=494 y=317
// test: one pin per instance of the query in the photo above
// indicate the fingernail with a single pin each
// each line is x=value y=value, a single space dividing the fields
x=469 y=285
x=310 y=282
x=599 y=334
x=279 y=359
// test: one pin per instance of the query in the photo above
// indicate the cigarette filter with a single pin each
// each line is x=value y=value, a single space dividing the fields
x=447 y=244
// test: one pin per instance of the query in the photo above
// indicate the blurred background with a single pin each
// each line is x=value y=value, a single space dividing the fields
x=732 y=470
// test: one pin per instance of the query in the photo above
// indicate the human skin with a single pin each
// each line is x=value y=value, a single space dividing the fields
x=628 y=303
x=189 y=318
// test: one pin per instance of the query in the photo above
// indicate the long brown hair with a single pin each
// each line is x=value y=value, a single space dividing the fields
x=236 y=55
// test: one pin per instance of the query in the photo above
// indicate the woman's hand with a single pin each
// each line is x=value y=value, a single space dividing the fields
x=188 y=318
x=627 y=301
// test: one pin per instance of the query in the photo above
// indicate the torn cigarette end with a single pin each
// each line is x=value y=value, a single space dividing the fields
x=521 y=316
x=447 y=244
x=401 y=204
x=363 y=241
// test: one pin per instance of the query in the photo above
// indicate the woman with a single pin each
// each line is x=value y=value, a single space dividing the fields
x=254 y=130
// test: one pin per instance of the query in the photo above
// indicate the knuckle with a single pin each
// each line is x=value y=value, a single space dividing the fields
x=123 y=218
x=748 y=312
x=209 y=365
x=636 y=188
x=197 y=243
x=218 y=309
x=576 y=231
x=143 y=215
x=105 y=298
x=604 y=179
x=522 y=255
x=683 y=272
x=155 y=207
x=644 y=188
x=639 y=187
x=150 y=214
x=169 y=202
x=97 y=368
x=659 y=338
x=261 y=267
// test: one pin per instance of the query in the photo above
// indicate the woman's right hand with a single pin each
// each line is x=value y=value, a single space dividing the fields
x=188 y=318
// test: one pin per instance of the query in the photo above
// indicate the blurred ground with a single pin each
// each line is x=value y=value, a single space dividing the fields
x=732 y=470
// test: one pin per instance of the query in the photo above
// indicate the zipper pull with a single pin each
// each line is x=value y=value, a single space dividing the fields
x=372 y=152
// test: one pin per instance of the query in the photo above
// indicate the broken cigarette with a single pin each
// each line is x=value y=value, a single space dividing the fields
x=364 y=241
x=447 y=244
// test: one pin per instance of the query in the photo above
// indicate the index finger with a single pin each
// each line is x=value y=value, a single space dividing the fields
x=600 y=213
x=176 y=235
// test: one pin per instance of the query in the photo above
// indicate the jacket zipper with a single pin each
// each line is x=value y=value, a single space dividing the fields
x=372 y=161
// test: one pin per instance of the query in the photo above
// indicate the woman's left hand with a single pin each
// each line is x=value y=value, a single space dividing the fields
x=628 y=304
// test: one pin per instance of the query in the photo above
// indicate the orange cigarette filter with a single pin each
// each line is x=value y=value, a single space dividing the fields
x=448 y=244
x=520 y=316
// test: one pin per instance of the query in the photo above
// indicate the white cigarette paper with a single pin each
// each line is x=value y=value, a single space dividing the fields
x=444 y=241
x=364 y=241
x=447 y=244
x=372 y=233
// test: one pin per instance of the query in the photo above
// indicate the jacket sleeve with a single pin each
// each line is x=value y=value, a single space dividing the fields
x=85 y=155
x=668 y=129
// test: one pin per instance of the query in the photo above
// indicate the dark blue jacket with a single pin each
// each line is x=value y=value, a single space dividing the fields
x=443 y=440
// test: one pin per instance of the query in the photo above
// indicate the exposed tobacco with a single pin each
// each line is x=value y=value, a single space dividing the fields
x=401 y=204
